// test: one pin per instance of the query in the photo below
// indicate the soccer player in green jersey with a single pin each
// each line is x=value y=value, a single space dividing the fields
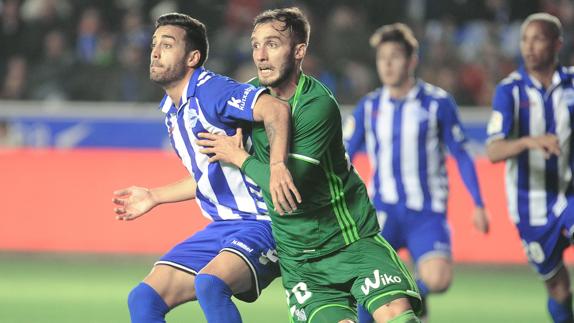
x=330 y=253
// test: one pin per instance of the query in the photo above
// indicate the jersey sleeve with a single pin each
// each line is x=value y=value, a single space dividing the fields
x=231 y=100
x=315 y=127
x=354 y=130
x=502 y=117
x=452 y=134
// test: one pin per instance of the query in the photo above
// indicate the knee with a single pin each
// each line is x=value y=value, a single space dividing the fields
x=437 y=284
x=208 y=286
x=144 y=303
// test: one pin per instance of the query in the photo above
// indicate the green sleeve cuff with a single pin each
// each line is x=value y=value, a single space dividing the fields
x=258 y=171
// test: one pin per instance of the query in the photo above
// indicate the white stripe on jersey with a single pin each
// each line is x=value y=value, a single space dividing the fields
x=438 y=183
x=410 y=154
x=511 y=177
x=370 y=141
x=536 y=161
x=387 y=184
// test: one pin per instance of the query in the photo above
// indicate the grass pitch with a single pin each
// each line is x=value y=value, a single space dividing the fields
x=62 y=288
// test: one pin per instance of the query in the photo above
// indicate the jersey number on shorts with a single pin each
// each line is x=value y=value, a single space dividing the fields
x=534 y=251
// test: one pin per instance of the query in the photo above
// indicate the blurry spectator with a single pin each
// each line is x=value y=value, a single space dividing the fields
x=88 y=35
x=11 y=31
x=13 y=85
x=50 y=78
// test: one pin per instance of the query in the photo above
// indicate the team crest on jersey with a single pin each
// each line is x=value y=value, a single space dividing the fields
x=495 y=123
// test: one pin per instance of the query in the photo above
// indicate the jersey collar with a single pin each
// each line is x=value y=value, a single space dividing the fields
x=188 y=91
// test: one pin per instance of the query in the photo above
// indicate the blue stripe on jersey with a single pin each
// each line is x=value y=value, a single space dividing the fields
x=372 y=121
x=185 y=136
x=397 y=126
x=422 y=155
x=523 y=162
x=552 y=162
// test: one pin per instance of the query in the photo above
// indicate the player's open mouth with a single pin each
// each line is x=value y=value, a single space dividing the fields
x=265 y=70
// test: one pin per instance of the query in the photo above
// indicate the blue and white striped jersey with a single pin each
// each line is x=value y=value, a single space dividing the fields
x=522 y=107
x=406 y=143
x=216 y=104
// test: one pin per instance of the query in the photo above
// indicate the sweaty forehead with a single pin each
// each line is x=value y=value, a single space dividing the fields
x=169 y=31
x=536 y=26
x=270 y=29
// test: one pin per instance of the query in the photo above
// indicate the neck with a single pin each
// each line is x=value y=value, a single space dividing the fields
x=544 y=75
x=174 y=89
x=287 y=89
x=401 y=90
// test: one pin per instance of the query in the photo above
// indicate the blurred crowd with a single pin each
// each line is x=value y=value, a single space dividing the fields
x=98 y=50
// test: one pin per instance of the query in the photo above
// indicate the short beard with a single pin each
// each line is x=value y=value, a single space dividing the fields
x=284 y=76
x=170 y=76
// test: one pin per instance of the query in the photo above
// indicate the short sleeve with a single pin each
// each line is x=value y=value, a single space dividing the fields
x=502 y=117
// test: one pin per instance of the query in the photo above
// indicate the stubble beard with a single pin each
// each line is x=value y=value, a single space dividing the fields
x=284 y=74
x=170 y=76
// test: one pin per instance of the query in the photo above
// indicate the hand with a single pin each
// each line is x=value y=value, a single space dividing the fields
x=224 y=148
x=282 y=189
x=548 y=143
x=480 y=220
x=133 y=202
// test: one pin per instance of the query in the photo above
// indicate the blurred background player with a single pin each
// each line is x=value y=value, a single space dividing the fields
x=331 y=255
x=234 y=255
x=407 y=124
x=531 y=128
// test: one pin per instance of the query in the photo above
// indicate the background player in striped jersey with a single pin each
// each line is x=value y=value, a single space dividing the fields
x=406 y=126
x=331 y=255
x=234 y=255
x=531 y=128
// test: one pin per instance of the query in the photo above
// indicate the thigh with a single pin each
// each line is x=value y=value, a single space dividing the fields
x=380 y=276
x=252 y=243
x=314 y=293
x=391 y=227
x=428 y=236
x=544 y=247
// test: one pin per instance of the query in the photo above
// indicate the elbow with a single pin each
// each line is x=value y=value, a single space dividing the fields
x=493 y=157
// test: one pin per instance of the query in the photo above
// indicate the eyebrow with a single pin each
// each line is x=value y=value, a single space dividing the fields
x=164 y=36
x=268 y=38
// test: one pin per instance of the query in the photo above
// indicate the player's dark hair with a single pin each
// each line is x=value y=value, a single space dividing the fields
x=195 y=32
x=552 y=23
x=398 y=33
x=292 y=18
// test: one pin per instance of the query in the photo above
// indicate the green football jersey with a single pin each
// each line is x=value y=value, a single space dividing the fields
x=335 y=209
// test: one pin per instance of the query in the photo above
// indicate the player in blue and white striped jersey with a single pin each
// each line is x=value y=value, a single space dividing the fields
x=235 y=254
x=406 y=126
x=531 y=128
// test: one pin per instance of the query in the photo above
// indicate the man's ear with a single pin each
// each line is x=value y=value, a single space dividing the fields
x=193 y=58
x=300 y=51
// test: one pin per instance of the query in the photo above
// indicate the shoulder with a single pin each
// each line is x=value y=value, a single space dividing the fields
x=317 y=96
x=510 y=81
x=434 y=92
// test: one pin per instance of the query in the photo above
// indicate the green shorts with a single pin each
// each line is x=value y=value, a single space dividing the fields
x=327 y=289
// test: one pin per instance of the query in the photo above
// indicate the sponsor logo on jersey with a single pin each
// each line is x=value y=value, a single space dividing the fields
x=379 y=280
x=236 y=103
x=242 y=246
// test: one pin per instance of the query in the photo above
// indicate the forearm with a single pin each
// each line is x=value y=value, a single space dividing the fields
x=503 y=149
x=277 y=123
x=181 y=190
x=467 y=171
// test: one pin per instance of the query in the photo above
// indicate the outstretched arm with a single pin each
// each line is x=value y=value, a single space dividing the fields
x=134 y=201
x=502 y=149
x=276 y=116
